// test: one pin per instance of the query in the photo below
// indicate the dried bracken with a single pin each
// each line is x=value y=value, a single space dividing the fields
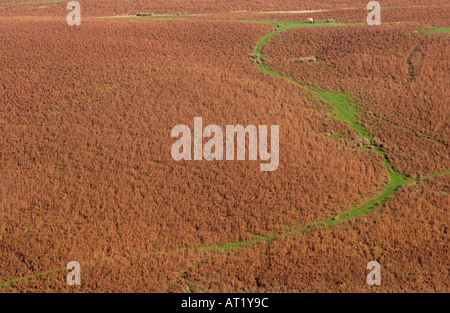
x=86 y=172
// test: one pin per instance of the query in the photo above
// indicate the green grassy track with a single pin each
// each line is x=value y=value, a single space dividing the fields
x=438 y=30
x=346 y=112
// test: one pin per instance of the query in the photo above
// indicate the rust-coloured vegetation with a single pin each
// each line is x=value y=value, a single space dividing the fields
x=86 y=172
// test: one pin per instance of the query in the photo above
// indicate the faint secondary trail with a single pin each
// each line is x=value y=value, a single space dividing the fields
x=344 y=110
x=411 y=70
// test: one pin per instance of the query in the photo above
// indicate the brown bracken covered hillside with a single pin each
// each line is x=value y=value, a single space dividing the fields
x=86 y=172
